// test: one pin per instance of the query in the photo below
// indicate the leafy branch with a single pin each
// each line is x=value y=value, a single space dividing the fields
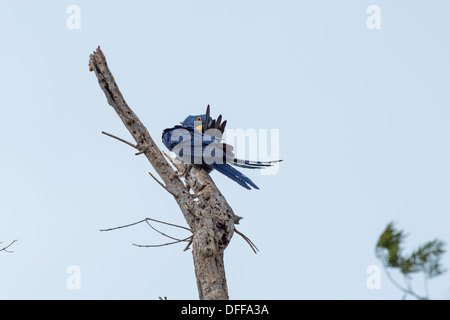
x=425 y=259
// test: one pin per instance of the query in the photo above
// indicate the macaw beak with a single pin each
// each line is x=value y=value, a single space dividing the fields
x=198 y=125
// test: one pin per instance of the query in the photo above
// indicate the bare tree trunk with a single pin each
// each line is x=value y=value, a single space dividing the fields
x=210 y=219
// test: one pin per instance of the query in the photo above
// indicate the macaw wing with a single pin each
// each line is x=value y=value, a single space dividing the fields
x=195 y=147
x=185 y=147
x=169 y=136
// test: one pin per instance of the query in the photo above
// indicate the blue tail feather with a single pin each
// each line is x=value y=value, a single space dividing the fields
x=234 y=175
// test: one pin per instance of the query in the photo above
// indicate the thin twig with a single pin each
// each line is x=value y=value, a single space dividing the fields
x=161 y=184
x=162 y=233
x=250 y=243
x=160 y=245
x=9 y=245
x=425 y=284
x=189 y=244
x=405 y=291
x=169 y=224
x=176 y=164
x=168 y=157
x=144 y=220
x=124 y=226
x=120 y=139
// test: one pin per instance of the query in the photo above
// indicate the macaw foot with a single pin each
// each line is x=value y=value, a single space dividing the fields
x=185 y=172
x=202 y=191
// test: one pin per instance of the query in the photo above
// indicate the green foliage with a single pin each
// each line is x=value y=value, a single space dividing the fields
x=388 y=248
x=426 y=258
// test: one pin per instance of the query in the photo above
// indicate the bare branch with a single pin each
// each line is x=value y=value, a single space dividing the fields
x=181 y=167
x=160 y=183
x=406 y=291
x=144 y=220
x=6 y=248
x=162 y=233
x=120 y=139
x=250 y=243
x=189 y=244
x=124 y=226
x=160 y=245
x=173 y=161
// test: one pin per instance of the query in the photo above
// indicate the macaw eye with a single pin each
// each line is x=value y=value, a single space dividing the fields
x=199 y=119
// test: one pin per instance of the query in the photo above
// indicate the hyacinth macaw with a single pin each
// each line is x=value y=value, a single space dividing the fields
x=198 y=141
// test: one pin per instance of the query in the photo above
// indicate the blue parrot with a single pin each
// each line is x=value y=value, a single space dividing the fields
x=198 y=141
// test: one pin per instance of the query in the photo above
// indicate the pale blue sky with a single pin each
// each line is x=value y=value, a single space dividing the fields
x=362 y=114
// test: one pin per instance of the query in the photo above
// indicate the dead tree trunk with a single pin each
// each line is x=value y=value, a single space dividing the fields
x=210 y=218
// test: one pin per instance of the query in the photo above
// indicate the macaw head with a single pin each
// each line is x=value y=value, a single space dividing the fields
x=196 y=122
x=203 y=122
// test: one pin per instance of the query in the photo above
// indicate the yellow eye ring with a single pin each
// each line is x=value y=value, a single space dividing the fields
x=199 y=118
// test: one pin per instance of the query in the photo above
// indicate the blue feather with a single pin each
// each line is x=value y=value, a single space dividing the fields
x=234 y=175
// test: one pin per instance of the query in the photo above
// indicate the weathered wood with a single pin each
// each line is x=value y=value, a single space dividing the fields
x=207 y=212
